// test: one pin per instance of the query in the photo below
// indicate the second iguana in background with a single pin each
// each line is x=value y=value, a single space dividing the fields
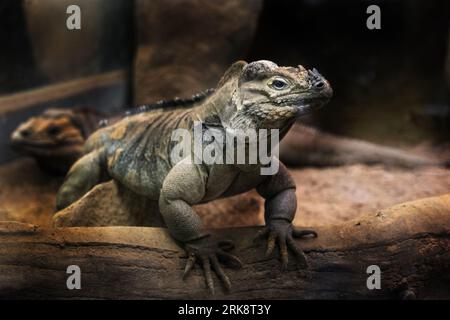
x=136 y=152
x=55 y=138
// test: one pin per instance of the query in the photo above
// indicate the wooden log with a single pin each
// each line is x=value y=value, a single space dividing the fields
x=410 y=243
x=26 y=99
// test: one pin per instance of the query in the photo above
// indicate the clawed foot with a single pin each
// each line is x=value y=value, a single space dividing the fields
x=283 y=232
x=211 y=254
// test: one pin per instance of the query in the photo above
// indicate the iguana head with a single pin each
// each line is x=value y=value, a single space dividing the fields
x=269 y=96
x=55 y=138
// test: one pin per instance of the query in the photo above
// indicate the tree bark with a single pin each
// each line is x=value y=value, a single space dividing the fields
x=410 y=242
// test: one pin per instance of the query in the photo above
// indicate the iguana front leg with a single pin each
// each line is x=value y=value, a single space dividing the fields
x=280 y=207
x=184 y=186
x=83 y=175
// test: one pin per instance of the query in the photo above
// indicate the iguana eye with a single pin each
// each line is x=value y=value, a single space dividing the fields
x=278 y=84
x=53 y=130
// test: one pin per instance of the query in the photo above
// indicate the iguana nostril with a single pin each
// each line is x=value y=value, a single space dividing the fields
x=25 y=133
x=319 y=85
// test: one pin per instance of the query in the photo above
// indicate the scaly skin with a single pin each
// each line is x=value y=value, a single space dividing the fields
x=56 y=137
x=136 y=153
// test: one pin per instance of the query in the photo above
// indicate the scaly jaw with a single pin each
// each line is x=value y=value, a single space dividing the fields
x=307 y=105
x=51 y=152
x=44 y=148
x=302 y=110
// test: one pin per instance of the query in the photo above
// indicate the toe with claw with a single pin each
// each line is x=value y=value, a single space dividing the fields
x=282 y=232
x=210 y=255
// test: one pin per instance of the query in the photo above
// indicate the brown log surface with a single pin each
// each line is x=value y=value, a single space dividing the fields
x=410 y=242
x=26 y=99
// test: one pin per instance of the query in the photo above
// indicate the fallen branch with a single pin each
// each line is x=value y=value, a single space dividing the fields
x=26 y=99
x=410 y=243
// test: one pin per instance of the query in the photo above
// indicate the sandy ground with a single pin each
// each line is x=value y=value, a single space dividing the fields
x=325 y=196
x=332 y=195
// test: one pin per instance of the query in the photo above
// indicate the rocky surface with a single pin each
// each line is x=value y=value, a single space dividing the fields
x=108 y=204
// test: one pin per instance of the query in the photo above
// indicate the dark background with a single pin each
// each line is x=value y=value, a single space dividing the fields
x=391 y=85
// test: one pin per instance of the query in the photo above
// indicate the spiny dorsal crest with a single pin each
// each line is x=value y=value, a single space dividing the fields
x=164 y=104
x=232 y=72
